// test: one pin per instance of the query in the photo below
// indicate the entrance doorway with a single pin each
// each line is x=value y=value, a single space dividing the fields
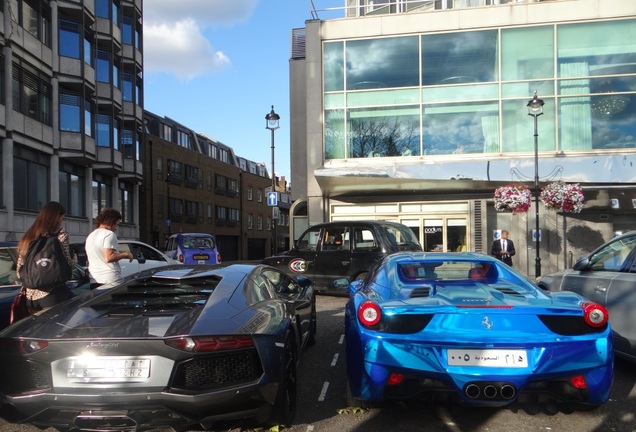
x=440 y=234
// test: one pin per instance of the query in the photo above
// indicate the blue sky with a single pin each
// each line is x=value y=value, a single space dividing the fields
x=217 y=67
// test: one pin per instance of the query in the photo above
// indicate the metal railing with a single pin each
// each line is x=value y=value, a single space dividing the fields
x=359 y=8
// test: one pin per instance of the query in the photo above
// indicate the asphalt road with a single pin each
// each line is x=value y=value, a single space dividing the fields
x=322 y=404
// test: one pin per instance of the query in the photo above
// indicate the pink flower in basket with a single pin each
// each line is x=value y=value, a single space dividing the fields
x=515 y=198
x=567 y=197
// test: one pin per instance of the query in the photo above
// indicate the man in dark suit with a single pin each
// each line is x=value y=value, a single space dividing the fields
x=503 y=248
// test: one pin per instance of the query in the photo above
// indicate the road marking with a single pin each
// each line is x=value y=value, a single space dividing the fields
x=335 y=359
x=341 y=341
x=310 y=428
x=323 y=393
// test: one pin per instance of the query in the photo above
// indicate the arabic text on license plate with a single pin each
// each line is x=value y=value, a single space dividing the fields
x=104 y=367
x=488 y=357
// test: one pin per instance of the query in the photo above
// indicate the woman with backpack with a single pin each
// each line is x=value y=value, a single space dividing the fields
x=48 y=223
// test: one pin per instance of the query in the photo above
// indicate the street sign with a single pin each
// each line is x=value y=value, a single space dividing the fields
x=275 y=213
x=272 y=199
x=534 y=235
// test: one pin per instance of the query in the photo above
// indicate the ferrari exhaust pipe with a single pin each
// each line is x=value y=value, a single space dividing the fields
x=472 y=391
x=508 y=391
x=490 y=391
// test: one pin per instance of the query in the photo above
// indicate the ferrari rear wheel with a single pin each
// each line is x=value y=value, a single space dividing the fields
x=285 y=405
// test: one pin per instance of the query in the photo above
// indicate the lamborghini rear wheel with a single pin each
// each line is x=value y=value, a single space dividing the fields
x=285 y=405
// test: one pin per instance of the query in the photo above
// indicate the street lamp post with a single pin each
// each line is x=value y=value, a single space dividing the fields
x=168 y=220
x=535 y=109
x=272 y=123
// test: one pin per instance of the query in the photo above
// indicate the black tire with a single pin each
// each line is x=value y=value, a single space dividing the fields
x=285 y=405
x=313 y=326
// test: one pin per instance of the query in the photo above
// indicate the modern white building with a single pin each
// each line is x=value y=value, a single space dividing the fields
x=416 y=111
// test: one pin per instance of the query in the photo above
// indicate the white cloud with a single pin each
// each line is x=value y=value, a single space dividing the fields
x=174 y=42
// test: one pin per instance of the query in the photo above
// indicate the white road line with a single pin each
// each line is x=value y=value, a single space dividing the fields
x=323 y=393
x=310 y=428
x=341 y=341
x=335 y=360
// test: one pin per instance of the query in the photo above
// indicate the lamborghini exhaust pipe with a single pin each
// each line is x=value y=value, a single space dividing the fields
x=98 y=421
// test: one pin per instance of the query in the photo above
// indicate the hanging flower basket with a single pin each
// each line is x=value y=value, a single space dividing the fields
x=513 y=197
x=566 y=197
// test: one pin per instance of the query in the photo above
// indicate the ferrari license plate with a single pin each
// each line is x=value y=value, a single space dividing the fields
x=201 y=257
x=103 y=367
x=513 y=358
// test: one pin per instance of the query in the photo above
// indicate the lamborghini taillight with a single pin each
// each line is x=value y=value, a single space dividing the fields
x=210 y=343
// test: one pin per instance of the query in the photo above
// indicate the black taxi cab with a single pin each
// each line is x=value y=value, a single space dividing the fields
x=334 y=254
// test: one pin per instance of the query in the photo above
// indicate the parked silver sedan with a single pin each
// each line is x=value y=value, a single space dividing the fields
x=606 y=276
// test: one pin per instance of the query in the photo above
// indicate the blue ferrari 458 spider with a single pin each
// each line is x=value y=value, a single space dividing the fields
x=466 y=327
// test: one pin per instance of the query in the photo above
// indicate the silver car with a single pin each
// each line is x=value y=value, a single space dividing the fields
x=606 y=276
x=146 y=256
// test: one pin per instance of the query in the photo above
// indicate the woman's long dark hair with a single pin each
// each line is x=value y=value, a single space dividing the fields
x=47 y=222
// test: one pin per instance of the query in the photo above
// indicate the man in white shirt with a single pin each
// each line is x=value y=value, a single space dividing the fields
x=102 y=249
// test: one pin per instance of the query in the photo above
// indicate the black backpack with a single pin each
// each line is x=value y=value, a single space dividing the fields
x=45 y=266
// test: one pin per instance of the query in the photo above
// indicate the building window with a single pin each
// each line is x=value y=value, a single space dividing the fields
x=183 y=139
x=221 y=215
x=193 y=211
x=249 y=193
x=127 y=30
x=175 y=169
x=107 y=131
x=72 y=190
x=233 y=216
x=31 y=94
x=70 y=43
x=193 y=178
x=102 y=194
x=131 y=144
x=166 y=132
x=36 y=19
x=259 y=195
x=232 y=187
x=30 y=173
x=127 y=87
x=220 y=183
x=259 y=223
x=210 y=214
x=107 y=9
x=126 y=202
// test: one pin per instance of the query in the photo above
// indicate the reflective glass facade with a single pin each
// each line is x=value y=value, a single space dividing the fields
x=466 y=92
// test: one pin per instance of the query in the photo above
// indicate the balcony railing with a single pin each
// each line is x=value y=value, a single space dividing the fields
x=359 y=8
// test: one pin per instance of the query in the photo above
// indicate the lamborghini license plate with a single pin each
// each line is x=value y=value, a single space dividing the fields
x=513 y=358
x=105 y=367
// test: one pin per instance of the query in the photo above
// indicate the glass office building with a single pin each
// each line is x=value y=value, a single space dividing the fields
x=420 y=114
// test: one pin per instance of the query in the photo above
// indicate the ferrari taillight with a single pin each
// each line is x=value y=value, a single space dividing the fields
x=395 y=379
x=578 y=382
x=369 y=314
x=595 y=315
x=210 y=343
